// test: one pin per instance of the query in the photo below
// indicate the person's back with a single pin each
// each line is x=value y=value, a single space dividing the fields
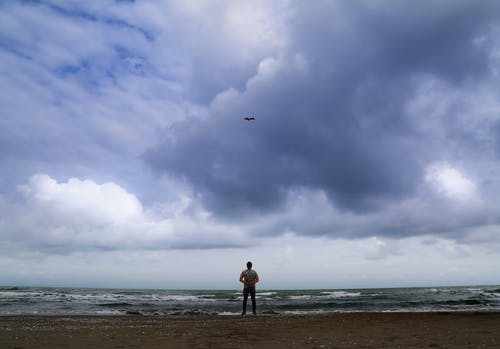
x=249 y=278
x=249 y=275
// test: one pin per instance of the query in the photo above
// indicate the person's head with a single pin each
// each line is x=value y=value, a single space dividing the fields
x=249 y=265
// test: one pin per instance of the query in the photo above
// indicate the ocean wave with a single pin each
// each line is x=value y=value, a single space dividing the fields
x=269 y=293
x=341 y=294
x=325 y=295
x=57 y=301
x=461 y=302
x=497 y=291
x=115 y=305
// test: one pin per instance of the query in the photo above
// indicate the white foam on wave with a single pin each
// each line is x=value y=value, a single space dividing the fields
x=188 y=298
x=326 y=295
x=306 y=296
x=96 y=298
x=340 y=294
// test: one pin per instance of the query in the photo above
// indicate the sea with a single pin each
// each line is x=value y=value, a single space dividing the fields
x=98 y=301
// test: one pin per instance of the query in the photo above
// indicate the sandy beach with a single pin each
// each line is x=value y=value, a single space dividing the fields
x=339 y=330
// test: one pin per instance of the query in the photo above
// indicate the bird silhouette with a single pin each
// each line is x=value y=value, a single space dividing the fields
x=249 y=118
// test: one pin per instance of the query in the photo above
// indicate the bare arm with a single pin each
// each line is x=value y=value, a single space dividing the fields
x=253 y=282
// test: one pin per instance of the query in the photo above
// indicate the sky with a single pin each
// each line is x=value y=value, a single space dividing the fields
x=373 y=159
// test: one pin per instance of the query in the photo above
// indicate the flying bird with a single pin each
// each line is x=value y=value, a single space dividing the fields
x=249 y=118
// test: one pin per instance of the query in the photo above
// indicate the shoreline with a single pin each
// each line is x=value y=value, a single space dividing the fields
x=331 y=330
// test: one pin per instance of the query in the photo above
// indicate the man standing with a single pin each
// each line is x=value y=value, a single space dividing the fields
x=249 y=278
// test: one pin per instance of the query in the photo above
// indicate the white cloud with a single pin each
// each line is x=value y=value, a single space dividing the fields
x=451 y=183
x=84 y=215
x=106 y=203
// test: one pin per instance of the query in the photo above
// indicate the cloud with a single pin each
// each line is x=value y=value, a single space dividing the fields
x=372 y=119
x=317 y=263
x=81 y=215
x=107 y=203
x=84 y=96
x=135 y=70
x=358 y=106
x=375 y=146
x=449 y=182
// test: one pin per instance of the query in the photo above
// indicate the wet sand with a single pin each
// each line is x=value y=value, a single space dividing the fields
x=342 y=330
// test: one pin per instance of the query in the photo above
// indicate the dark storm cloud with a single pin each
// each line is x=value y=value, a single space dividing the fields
x=337 y=121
